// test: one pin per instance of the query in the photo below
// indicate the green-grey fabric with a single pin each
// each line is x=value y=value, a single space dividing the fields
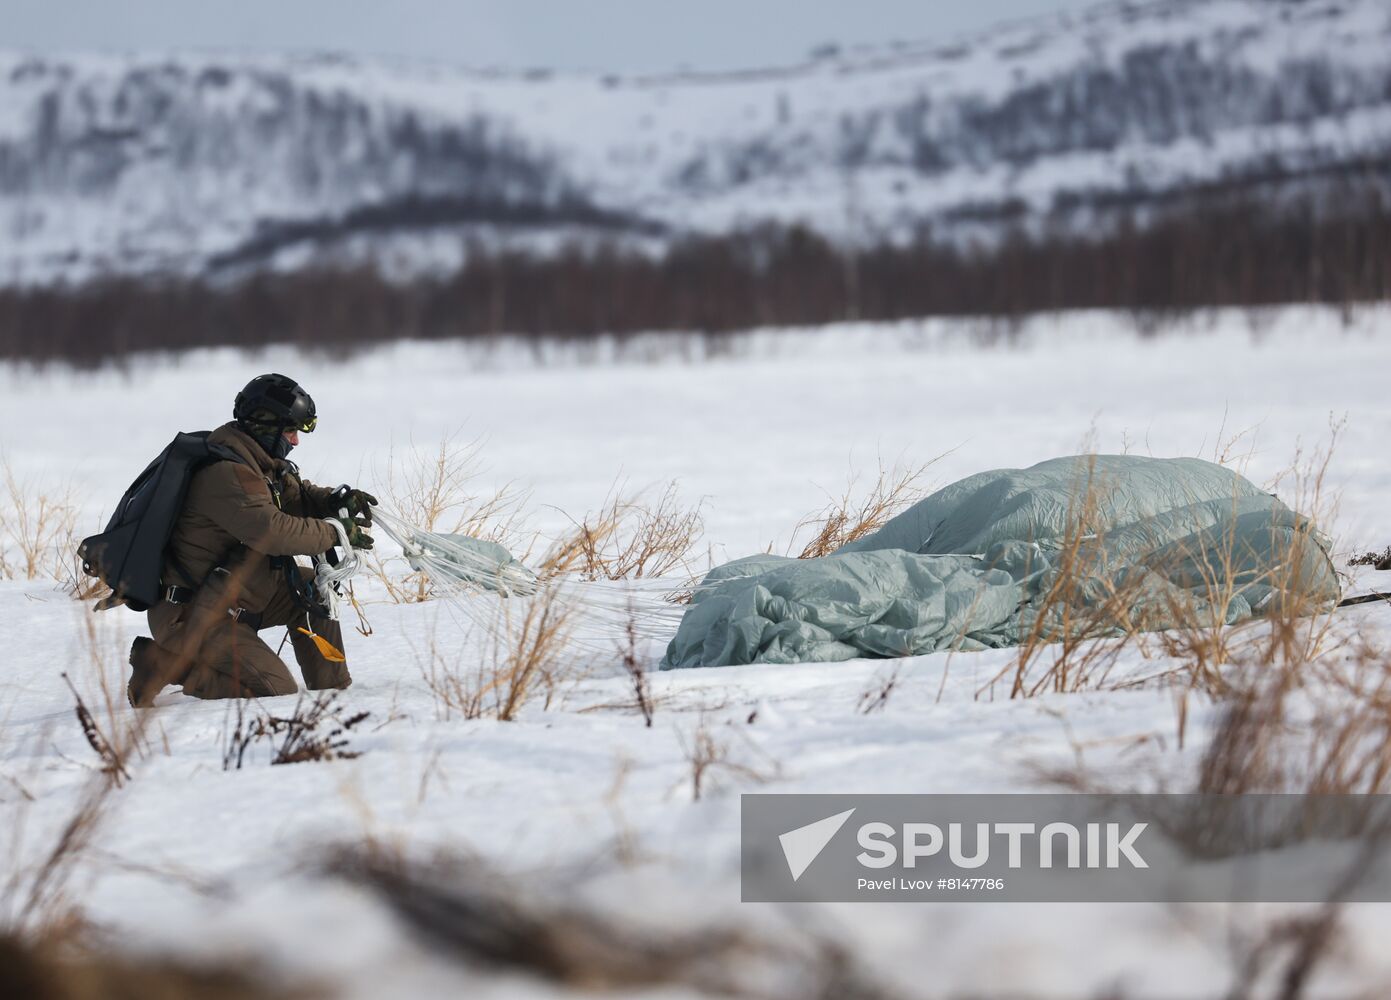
x=1084 y=544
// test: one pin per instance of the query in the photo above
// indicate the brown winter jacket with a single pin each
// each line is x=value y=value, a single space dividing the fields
x=231 y=519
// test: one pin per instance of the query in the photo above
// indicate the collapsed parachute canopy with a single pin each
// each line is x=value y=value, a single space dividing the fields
x=1094 y=544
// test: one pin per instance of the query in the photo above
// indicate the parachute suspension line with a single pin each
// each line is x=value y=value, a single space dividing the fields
x=463 y=569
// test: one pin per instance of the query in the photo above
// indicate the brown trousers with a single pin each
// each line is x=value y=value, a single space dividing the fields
x=214 y=655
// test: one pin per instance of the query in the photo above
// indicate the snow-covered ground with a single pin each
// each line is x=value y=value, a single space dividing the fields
x=202 y=862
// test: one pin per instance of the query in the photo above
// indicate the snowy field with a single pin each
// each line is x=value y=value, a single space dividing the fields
x=581 y=803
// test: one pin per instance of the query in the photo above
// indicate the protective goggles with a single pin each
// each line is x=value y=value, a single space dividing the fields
x=272 y=423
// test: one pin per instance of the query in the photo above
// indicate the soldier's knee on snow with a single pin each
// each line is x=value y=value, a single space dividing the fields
x=274 y=686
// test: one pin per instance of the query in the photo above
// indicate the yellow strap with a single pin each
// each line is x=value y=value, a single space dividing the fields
x=330 y=652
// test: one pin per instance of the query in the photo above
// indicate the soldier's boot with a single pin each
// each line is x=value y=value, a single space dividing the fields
x=152 y=669
x=148 y=667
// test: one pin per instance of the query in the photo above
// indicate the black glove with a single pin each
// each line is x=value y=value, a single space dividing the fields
x=357 y=536
x=358 y=503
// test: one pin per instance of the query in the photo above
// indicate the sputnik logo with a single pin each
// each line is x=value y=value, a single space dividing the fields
x=804 y=845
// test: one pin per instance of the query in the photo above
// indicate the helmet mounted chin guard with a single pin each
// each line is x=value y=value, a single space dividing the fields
x=271 y=406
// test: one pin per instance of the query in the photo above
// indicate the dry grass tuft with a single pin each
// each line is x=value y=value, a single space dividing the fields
x=78 y=585
x=846 y=518
x=114 y=733
x=1319 y=726
x=56 y=970
x=38 y=529
x=1090 y=612
x=875 y=698
x=1281 y=959
x=629 y=538
x=107 y=749
x=1085 y=600
x=435 y=491
x=38 y=900
x=1299 y=631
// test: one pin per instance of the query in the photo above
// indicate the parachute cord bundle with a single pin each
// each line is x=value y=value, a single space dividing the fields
x=602 y=612
x=329 y=577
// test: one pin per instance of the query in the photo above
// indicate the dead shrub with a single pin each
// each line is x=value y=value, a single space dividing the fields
x=847 y=518
x=485 y=919
x=317 y=729
x=457 y=689
x=1301 y=749
x=1294 y=738
x=37 y=900
x=710 y=755
x=637 y=676
x=1381 y=560
x=534 y=659
x=628 y=538
x=48 y=949
x=435 y=491
x=643 y=701
x=526 y=657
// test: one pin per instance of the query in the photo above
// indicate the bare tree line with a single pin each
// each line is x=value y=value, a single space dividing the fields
x=1232 y=253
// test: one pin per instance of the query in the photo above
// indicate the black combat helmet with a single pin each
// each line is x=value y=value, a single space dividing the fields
x=269 y=406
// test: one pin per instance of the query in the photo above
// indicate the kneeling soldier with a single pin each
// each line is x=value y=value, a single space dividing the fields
x=229 y=568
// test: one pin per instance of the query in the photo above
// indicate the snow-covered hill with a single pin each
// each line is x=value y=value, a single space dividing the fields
x=198 y=163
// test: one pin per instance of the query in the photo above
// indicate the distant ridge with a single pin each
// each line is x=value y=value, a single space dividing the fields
x=1077 y=122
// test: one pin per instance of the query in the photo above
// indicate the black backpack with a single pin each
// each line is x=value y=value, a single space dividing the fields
x=129 y=555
